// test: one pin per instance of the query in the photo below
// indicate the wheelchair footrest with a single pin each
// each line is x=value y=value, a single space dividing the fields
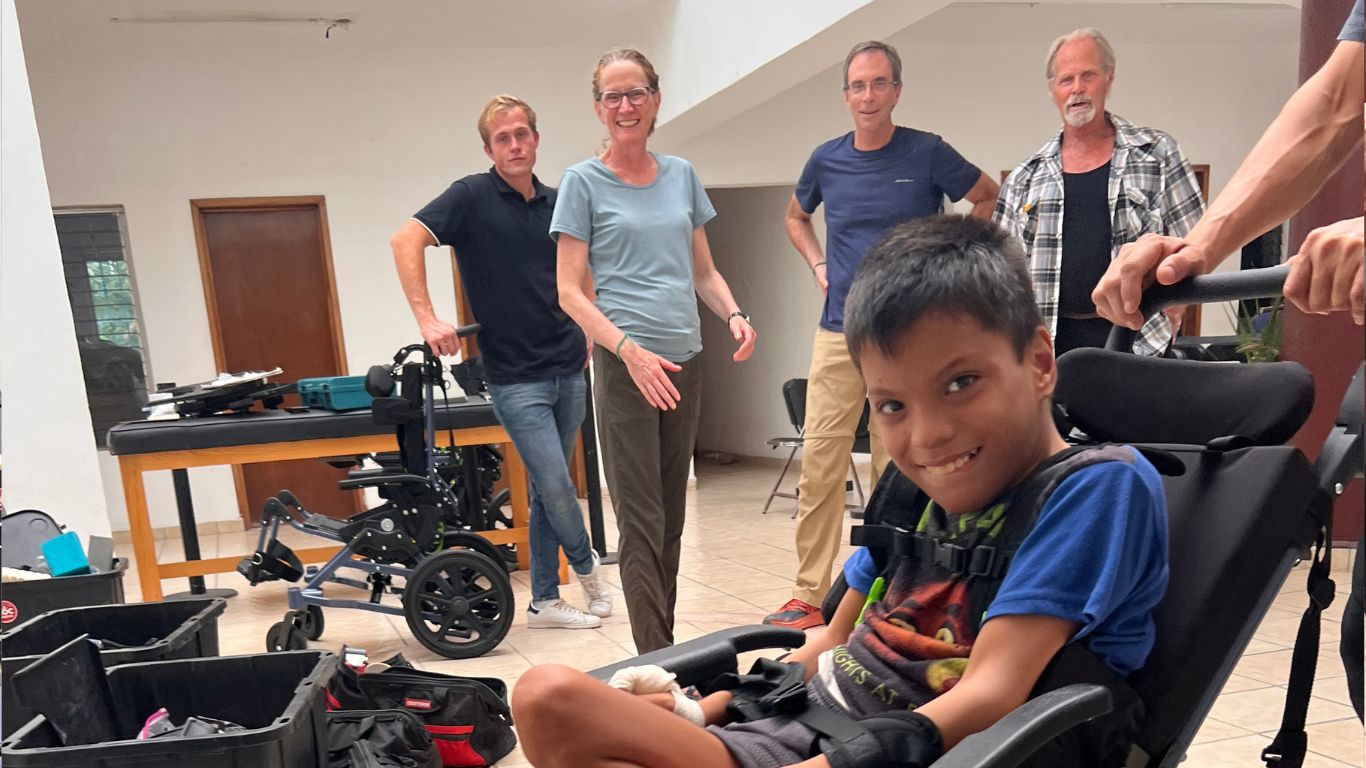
x=277 y=562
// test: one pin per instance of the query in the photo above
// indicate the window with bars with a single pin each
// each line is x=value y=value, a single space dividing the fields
x=104 y=309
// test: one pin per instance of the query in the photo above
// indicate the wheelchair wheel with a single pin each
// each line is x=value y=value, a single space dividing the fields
x=498 y=515
x=458 y=603
x=284 y=636
x=495 y=516
x=473 y=542
x=311 y=623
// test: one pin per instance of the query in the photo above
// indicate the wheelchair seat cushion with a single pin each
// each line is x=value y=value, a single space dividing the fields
x=1117 y=397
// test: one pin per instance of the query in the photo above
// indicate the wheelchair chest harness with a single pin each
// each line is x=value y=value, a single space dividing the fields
x=904 y=531
x=907 y=528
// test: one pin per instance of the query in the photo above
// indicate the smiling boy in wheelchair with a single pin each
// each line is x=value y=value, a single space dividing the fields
x=1000 y=548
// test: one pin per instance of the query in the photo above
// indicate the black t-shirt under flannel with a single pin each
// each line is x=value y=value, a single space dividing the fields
x=507 y=261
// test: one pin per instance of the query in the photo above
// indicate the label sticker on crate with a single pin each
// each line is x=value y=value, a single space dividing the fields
x=8 y=612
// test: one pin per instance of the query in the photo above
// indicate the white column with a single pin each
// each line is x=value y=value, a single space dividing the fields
x=49 y=449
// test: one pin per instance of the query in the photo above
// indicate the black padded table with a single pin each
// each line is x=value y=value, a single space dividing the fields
x=275 y=435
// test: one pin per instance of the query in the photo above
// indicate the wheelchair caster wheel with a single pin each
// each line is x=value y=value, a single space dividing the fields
x=458 y=603
x=285 y=636
x=311 y=622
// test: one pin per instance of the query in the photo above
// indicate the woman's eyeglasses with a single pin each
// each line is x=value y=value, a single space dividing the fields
x=613 y=99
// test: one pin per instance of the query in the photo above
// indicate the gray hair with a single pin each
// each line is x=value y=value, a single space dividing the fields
x=874 y=45
x=1107 y=53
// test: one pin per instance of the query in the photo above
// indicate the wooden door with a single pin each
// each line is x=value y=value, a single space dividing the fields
x=271 y=297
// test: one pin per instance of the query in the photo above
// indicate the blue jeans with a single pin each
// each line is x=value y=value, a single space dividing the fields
x=543 y=418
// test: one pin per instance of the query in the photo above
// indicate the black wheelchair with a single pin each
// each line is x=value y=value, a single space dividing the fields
x=1244 y=508
x=455 y=594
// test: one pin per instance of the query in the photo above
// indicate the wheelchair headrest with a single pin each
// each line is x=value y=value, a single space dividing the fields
x=1119 y=397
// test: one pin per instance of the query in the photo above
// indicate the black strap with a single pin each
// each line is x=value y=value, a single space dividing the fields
x=844 y=742
x=1288 y=748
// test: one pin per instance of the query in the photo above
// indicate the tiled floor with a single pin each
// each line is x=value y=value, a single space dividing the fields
x=737 y=565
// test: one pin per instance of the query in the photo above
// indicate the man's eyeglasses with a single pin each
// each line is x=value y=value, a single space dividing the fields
x=880 y=85
x=637 y=96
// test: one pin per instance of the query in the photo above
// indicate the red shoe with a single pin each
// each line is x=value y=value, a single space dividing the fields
x=797 y=614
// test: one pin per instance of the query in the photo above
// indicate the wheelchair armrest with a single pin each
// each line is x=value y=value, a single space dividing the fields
x=352 y=483
x=1022 y=732
x=706 y=657
x=358 y=474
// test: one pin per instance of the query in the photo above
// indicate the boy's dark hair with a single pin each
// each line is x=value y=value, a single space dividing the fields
x=952 y=264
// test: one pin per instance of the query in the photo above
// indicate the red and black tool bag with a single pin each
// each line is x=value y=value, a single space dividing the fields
x=468 y=717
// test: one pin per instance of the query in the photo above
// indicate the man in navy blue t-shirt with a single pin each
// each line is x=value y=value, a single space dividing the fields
x=870 y=179
x=533 y=353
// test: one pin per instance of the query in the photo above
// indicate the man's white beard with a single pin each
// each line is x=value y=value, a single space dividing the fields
x=1077 y=119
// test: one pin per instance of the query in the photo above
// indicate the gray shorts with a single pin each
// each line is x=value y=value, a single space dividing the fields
x=768 y=743
x=774 y=741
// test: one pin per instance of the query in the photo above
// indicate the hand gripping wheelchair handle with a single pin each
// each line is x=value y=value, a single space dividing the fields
x=1203 y=289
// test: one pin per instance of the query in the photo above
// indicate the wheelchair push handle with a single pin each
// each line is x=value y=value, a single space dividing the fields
x=1203 y=289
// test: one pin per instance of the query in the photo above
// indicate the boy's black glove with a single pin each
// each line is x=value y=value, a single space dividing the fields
x=908 y=740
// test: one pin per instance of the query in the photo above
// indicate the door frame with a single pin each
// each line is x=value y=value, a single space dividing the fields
x=200 y=206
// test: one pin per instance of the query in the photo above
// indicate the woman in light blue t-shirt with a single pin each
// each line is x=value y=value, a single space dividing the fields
x=632 y=252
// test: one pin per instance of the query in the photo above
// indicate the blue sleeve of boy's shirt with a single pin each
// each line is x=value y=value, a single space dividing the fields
x=859 y=571
x=1097 y=557
x=1354 y=30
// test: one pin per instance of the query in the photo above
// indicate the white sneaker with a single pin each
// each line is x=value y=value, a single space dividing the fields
x=595 y=592
x=559 y=615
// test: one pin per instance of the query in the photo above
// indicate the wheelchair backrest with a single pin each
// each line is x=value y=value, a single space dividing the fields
x=1238 y=517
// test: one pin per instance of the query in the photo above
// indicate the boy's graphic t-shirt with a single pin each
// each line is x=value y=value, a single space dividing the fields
x=913 y=644
x=1096 y=556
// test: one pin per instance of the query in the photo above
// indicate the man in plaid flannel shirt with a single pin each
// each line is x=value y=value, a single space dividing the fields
x=1120 y=180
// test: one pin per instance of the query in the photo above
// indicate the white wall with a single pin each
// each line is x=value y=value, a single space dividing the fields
x=741 y=402
x=47 y=434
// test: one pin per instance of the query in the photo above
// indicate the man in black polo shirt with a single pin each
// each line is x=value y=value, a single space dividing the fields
x=498 y=222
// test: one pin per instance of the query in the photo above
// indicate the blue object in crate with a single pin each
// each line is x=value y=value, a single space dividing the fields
x=64 y=555
x=335 y=393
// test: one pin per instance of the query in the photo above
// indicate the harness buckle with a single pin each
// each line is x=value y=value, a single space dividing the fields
x=951 y=556
x=983 y=561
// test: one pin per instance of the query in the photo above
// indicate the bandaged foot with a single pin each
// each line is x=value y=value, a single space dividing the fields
x=655 y=679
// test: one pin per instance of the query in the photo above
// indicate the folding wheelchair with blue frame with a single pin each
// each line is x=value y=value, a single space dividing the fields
x=455 y=593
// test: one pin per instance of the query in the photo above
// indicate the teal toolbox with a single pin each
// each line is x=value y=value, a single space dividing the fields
x=335 y=393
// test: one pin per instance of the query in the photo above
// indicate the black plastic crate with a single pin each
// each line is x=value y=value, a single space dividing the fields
x=278 y=697
x=178 y=629
x=22 y=600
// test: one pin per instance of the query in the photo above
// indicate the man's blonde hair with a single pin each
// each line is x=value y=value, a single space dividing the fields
x=499 y=104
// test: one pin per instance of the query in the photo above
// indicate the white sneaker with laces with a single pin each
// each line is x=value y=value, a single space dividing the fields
x=595 y=592
x=559 y=615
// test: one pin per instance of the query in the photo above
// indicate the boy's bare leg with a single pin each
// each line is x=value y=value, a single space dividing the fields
x=566 y=718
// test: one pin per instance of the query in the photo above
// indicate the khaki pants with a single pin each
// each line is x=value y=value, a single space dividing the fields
x=834 y=400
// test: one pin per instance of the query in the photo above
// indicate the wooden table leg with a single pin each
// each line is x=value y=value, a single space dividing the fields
x=140 y=529
x=521 y=501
